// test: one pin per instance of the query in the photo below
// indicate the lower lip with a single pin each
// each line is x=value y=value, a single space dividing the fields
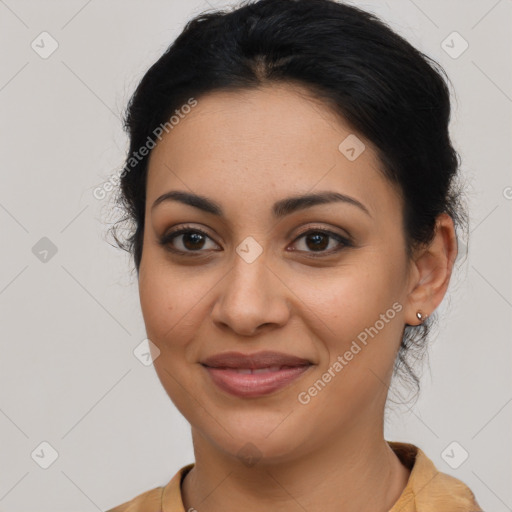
x=254 y=384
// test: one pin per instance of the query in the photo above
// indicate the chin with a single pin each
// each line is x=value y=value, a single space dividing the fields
x=257 y=438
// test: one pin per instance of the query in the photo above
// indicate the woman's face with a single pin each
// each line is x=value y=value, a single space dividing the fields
x=254 y=282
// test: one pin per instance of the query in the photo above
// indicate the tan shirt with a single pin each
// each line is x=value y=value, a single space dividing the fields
x=427 y=490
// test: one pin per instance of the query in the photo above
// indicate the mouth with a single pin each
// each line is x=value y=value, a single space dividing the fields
x=254 y=375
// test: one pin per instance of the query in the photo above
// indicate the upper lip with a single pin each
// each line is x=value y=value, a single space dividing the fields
x=257 y=360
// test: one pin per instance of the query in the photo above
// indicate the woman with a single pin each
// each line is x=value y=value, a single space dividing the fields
x=291 y=183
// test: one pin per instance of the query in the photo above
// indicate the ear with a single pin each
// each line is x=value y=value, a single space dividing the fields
x=431 y=271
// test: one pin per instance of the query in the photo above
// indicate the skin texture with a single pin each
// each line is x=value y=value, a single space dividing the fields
x=246 y=150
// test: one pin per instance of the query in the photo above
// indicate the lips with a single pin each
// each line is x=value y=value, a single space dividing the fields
x=259 y=360
x=254 y=375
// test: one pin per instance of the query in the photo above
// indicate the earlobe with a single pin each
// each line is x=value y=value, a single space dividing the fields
x=432 y=271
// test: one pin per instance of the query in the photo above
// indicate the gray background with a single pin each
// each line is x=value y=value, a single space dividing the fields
x=69 y=325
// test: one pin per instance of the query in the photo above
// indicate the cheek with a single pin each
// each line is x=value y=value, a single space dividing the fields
x=157 y=310
x=171 y=304
x=359 y=323
x=349 y=298
x=356 y=313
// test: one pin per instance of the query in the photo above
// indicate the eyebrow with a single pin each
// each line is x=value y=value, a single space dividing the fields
x=280 y=208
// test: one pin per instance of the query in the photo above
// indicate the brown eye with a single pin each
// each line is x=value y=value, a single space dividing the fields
x=193 y=240
x=318 y=241
x=185 y=240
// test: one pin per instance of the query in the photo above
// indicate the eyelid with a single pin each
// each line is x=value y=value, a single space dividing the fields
x=345 y=236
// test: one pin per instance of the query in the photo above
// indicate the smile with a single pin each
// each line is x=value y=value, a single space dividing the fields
x=254 y=382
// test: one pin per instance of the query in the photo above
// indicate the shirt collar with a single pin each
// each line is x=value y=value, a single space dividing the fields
x=427 y=489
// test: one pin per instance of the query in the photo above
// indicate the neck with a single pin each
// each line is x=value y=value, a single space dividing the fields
x=356 y=472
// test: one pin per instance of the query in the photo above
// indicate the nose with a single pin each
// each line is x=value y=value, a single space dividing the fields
x=252 y=298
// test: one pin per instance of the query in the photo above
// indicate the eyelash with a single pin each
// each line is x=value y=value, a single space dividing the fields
x=166 y=240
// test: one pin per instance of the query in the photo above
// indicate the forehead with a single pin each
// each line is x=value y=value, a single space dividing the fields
x=259 y=145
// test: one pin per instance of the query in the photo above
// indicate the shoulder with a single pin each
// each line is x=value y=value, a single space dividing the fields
x=149 y=501
x=159 y=498
x=428 y=489
x=448 y=493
